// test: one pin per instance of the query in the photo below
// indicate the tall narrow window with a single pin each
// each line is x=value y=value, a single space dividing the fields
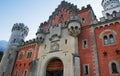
x=114 y=68
x=105 y=40
x=25 y=73
x=112 y=40
x=86 y=69
x=65 y=41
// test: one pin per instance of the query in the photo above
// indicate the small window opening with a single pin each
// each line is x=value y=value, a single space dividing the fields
x=114 y=68
x=65 y=41
x=83 y=20
x=85 y=45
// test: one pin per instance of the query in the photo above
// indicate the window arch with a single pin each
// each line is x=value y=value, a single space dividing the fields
x=105 y=38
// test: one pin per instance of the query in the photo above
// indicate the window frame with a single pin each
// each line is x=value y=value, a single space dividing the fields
x=84 y=70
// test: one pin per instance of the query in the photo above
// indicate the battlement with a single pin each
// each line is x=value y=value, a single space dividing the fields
x=29 y=42
x=20 y=27
x=43 y=28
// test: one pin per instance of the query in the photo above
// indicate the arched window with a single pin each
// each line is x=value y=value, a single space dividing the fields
x=114 y=68
x=105 y=40
x=112 y=40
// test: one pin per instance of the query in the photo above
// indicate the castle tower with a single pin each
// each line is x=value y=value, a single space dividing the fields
x=111 y=7
x=19 y=32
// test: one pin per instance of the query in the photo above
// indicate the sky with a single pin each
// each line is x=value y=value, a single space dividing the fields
x=34 y=12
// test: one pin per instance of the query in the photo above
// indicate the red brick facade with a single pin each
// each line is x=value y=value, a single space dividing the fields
x=110 y=49
x=24 y=63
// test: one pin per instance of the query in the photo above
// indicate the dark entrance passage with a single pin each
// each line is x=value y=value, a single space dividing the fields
x=54 y=68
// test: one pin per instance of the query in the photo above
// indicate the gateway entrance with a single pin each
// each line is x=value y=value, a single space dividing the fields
x=54 y=68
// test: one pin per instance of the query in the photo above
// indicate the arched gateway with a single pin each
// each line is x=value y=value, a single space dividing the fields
x=54 y=68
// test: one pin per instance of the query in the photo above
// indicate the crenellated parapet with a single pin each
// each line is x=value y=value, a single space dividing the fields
x=20 y=27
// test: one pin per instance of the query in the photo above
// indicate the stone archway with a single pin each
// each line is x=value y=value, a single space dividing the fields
x=54 y=68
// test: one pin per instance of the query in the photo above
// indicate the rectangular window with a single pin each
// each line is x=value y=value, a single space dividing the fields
x=86 y=70
x=84 y=44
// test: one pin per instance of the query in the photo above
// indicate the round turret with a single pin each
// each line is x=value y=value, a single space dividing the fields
x=108 y=4
x=40 y=35
x=19 y=32
x=74 y=26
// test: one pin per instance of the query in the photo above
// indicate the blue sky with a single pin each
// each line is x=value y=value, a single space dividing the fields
x=33 y=12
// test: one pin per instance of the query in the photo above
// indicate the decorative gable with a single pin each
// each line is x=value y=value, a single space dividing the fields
x=62 y=13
